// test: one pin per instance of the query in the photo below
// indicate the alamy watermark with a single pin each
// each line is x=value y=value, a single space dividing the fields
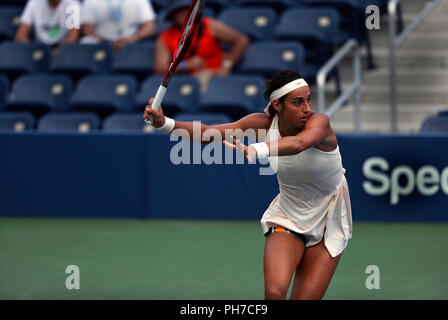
x=74 y=279
x=73 y=20
x=373 y=17
x=373 y=280
x=187 y=153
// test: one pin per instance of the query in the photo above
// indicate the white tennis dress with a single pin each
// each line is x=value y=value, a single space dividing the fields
x=314 y=198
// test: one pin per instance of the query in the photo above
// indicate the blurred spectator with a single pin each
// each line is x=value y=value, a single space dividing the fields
x=54 y=22
x=118 y=21
x=205 y=58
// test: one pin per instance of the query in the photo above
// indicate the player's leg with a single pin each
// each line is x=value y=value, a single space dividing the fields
x=282 y=254
x=314 y=273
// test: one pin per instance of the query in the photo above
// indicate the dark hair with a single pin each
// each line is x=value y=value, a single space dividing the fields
x=276 y=82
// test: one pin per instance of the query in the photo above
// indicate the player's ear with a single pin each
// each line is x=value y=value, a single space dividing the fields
x=276 y=105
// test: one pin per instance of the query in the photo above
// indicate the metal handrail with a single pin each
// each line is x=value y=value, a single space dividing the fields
x=355 y=89
x=394 y=42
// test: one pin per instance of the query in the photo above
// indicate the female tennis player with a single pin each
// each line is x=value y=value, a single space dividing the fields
x=307 y=226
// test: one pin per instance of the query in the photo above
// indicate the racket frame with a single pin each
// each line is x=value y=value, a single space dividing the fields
x=186 y=37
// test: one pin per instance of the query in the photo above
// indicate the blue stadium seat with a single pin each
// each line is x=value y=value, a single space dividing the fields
x=318 y=24
x=182 y=94
x=17 y=58
x=80 y=59
x=128 y=122
x=105 y=93
x=234 y=95
x=16 y=121
x=278 y=5
x=218 y=5
x=315 y=28
x=40 y=92
x=257 y=23
x=435 y=124
x=9 y=21
x=4 y=89
x=205 y=118
x=266 y=58
x=351 y=18
x=135 y=58
x=208 y=12
x=338 y=3
x=69 y=122
x=352 y=13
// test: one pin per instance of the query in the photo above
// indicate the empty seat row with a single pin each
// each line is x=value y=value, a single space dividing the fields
x=135 y=58
x=84 y=122
x=236 y=95
x=133 y=122
x=17 y=58
x=263 y=58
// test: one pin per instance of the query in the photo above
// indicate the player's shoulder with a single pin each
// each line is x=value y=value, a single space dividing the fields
x=259 y=116
x=256 y=121
x=319 y=117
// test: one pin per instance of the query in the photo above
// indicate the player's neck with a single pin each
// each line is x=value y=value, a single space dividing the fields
x=286 y=129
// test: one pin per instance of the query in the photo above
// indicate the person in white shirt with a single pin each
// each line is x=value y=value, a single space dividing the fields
x=118 y=21
x=54 y=22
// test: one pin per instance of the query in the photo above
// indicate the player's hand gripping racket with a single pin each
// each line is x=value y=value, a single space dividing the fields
x=191 y=22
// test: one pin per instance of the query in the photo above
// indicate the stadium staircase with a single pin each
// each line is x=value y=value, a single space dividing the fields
x=422 y=75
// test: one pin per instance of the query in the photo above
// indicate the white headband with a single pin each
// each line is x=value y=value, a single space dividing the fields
x=287 y=88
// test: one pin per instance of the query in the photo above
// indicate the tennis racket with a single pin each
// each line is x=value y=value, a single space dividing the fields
x=191 y=22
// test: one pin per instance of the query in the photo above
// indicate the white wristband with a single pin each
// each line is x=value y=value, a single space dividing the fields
x=168 y=125
x=262 y=149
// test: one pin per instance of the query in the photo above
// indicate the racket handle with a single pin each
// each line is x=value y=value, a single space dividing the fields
x=158 y=100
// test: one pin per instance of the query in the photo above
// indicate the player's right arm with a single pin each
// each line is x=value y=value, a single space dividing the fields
x=248 y=125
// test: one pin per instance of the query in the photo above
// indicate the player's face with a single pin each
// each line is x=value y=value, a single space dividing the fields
x=296 y=107
x=179 y=16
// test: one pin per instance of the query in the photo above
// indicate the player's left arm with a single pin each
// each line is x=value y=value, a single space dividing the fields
x=316 y=129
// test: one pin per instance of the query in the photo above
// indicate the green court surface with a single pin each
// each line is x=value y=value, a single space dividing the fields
x=176 y=259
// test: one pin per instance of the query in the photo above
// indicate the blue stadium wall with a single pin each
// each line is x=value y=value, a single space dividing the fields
x=391 y=178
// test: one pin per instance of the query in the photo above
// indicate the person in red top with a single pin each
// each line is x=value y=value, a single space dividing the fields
x=205 y=57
